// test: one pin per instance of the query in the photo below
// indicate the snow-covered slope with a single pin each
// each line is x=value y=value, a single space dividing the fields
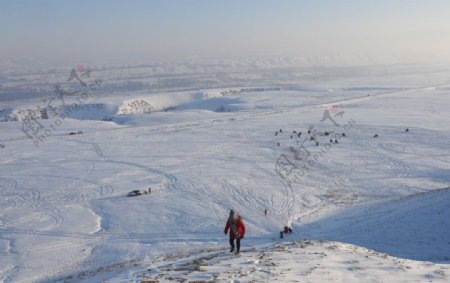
x=413 y=227
x=300 y=261
x=64 y=213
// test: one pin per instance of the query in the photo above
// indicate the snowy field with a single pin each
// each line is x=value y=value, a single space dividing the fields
x=371 y=206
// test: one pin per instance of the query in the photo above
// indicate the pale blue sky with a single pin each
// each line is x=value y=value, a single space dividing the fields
x=117 y=31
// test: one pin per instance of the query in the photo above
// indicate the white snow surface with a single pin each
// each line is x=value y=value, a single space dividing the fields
x=364 y=209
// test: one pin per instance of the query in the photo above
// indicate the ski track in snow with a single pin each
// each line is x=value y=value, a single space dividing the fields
x=74 y=192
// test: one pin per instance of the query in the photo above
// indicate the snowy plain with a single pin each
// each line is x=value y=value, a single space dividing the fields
x=373 y=209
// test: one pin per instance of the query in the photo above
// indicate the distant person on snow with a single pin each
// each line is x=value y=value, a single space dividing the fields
x=287 y=230
x=237 y=230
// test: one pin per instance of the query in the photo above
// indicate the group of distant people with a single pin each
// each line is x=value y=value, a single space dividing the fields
x=312 y=136
x=286 y=230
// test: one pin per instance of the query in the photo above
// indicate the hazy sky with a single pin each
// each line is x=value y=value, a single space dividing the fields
x=116 y=31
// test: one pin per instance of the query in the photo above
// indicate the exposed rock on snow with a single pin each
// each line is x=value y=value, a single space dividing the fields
x=136 y=107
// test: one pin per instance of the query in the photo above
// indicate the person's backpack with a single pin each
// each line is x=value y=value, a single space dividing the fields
x=233 y=226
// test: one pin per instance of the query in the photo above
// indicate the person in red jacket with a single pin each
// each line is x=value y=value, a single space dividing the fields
x=237 y=230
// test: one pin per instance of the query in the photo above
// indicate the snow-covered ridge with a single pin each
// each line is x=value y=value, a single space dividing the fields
x=291 y=261
x=213 y=100
x=316 y=261
x=88 y=111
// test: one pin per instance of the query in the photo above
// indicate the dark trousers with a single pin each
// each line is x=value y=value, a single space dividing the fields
x=238 y=244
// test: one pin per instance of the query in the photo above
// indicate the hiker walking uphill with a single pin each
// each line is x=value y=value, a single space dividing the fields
x=237 y=230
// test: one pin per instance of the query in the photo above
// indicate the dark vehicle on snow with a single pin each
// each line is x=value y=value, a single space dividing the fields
x=134 y=193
